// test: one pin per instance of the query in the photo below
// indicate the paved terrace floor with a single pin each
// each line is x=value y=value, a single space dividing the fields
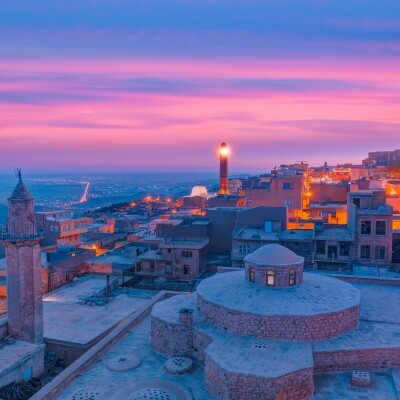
x=135 y=342
x=67 y=320
x=333 y=386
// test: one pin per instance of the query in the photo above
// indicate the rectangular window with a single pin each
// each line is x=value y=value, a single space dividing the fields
x=380 y=252
x=365 y=251
x=249 y=202
x=244 y=249
x=320 y=246
x=332 y=252
x=186 y=269
x=287 y=185
x=344 y=248
x=186 y=254
x=365 y=227
x=380 y=228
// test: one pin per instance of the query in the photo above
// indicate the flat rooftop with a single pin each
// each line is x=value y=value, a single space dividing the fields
x=328 y=386
x=11 y=355
x=137 y=342
x=255 y=234
x=66 y=320
x=334 y=234
x=113 y=258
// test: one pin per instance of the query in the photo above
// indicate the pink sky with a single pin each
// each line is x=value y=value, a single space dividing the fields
x=149 y=88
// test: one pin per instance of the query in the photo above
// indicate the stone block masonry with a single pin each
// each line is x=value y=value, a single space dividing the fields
x=225 y=385
x=347 y=360
x=285 y=327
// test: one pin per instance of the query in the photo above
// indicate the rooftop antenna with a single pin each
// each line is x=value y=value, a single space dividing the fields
x=18 y=174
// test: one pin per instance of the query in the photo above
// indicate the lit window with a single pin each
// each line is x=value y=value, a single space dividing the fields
x=292 y=277
x=252 y=277
x=270 y=278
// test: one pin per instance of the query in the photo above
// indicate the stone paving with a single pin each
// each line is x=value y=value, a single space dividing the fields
x=368 y=335
x=278 y=356
x=136 y=342
x=338 y=387
x=253 y=356
x=317 y=295
x=379 y=302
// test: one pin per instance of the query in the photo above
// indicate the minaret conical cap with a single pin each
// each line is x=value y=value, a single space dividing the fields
x=21 y=192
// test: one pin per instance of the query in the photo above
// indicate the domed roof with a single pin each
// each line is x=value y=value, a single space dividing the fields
x=21 y=192
x=199 y=191
x=273 y=254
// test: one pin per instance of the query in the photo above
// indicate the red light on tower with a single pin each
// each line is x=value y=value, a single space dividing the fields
x=223 y=169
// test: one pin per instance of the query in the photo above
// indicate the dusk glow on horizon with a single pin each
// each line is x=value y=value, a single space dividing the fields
x=139 y=85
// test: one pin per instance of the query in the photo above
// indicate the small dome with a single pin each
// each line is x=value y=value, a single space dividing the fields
x=21 y=192
x=199 y=191
x=273 y=254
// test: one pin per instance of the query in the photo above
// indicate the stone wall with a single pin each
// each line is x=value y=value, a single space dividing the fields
x=344 y=360
x=33 y=362
x=171 y=339
x=226 y=385
x=284 y=327
x=282 y=273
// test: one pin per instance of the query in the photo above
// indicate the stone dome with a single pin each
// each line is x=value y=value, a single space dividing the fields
x=199 y=191
x=274 y=265
x=273 y=254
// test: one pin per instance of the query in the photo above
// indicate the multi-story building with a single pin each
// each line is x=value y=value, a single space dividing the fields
x=370 y=224
x=62 y=265
x=382 y=158
x=277 y=190
x=328 y=192
x=65 y=231
x=176 y=259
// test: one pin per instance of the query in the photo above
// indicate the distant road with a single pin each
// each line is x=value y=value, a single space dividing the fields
x=85 y=193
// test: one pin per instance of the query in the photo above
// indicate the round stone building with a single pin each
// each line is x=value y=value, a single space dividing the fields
x=252 y=329
x=274 y=266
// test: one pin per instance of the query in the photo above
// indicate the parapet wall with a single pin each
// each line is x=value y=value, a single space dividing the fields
x=284 y=327
x=173 y=339
x=346 y=360
x=236 y=386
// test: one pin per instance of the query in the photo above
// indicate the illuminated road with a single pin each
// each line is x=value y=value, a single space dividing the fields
x=85 y=193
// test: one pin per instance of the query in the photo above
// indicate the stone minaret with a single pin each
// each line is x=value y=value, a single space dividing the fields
x=24 y=283
x=223 y=169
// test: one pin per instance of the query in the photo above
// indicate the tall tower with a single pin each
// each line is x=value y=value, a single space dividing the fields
x=223 y=169
x=24 y=283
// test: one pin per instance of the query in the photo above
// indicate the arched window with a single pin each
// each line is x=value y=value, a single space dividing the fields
x=252 y=277
x=292 y=277
x=270 y=278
